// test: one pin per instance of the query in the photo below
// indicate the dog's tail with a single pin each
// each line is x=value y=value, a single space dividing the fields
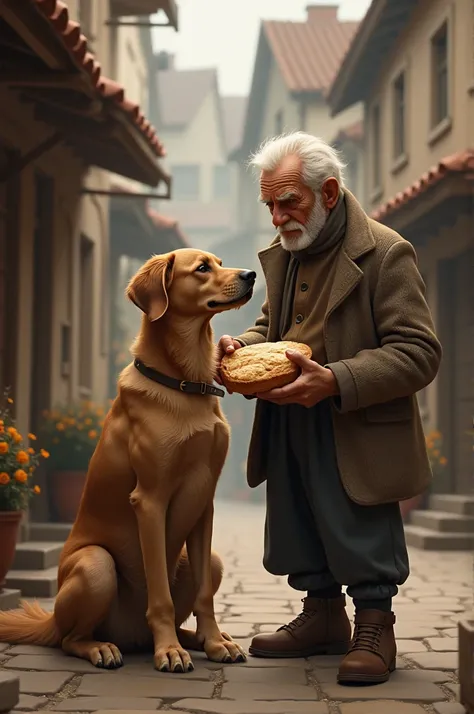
x=29 y=624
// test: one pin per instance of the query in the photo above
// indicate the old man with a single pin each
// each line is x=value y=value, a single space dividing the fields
x=343 y=444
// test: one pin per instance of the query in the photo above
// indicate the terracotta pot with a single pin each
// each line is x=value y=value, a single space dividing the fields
x=9 y=525
x=66 y=489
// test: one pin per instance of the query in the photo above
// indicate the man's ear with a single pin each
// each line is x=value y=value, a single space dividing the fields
x=148 y=288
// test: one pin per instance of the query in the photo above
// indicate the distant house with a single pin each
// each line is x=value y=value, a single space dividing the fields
x=294 y=67
x=197 y=126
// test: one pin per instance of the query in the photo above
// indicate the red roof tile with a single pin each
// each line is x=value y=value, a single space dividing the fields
x=460 y=163
x=309 y=53
x=168 y=224
x=354 y=132
x=76 y=43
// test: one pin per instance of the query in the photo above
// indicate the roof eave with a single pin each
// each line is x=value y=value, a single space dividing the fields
x=374 y=39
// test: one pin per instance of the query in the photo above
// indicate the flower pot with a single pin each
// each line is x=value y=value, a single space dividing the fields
x=66 y=489
x=9 y=525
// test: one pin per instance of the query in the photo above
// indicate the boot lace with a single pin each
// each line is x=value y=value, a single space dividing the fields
x=299 y=621
x=367 y=637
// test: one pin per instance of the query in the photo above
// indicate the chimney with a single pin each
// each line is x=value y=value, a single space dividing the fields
x=321 y=14
x=164 y=60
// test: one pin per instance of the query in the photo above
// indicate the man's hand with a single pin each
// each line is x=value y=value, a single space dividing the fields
x=314 y=384
x=226 y=346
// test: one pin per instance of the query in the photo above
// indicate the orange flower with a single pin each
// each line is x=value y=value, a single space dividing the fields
x=31 y=451
x=60 y=426
x=1 y=422
x=10 y=400
x=4 y=447
x=17 y=438
x=92 y=434
x=4 y=478
x=12 y=431
x=2 y=429
x=436 y=453
x=36 y=489
x=21 y=476
x=31 y=469
x=44 y=453
x=443 y=461
x=32 y=437
x=22 y=457
x=87 y=422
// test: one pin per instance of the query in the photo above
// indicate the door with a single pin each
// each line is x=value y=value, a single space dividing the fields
x=42 y=335
x=456 y=382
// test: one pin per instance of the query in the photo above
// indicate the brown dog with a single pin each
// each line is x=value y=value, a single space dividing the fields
x=138 y=560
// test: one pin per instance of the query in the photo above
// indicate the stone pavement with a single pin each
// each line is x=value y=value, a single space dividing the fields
x=437 y=594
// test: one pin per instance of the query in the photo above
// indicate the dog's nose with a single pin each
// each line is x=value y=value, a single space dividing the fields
x=248 y=275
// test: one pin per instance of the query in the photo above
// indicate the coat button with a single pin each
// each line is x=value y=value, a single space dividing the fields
x=299 y=318
x=304 y=287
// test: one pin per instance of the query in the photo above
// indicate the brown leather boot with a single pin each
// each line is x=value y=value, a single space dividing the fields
x=322 y=628
x=373 y=650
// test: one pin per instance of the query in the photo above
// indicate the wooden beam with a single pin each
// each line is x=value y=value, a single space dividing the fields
x=51 y=80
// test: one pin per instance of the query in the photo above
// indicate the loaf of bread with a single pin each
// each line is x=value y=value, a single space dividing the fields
x=259 y=368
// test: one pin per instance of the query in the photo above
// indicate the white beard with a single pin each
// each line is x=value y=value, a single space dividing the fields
x=309 y=232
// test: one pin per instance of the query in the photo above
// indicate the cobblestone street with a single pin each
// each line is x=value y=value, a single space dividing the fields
x=437 y=594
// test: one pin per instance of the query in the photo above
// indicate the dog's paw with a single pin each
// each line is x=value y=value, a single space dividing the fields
x=106 y=656
x=224 y=650
x=173 y=659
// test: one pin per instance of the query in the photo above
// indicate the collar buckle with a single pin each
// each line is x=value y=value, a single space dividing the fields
x=182 y=386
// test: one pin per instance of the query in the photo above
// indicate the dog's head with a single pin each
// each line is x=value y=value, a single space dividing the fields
x=190 y=283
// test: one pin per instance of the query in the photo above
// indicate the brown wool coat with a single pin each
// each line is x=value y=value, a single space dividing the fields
x=381 y=345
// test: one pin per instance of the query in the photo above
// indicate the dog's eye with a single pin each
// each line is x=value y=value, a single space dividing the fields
x=203 y=268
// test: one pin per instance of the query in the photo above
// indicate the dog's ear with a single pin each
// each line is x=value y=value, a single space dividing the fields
x=148 y=288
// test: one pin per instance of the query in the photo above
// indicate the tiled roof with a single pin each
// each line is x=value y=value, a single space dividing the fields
x=460 y=163
x=309 y=53
x=353 y=132
x=181 y=93
x=76 y=43
x=165 y=223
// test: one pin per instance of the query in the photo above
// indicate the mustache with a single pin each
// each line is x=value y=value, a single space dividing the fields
x=292 y=226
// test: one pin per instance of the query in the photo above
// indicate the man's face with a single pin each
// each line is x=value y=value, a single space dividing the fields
x=298 y=212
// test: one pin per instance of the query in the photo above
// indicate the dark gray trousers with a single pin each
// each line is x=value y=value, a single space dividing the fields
x=314 y=533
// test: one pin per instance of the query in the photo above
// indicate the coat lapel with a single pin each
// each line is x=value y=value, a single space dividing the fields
x=357 y=242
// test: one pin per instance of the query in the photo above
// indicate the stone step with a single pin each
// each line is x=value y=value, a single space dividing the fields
x=9 y=691
x=461 y=504
x=9 y=599
x=36 y=555
x=50 y=532
x=442 y=522
x=428 y=539
x=34 y=583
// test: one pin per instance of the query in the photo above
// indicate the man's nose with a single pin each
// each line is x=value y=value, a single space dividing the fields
x=279 y=218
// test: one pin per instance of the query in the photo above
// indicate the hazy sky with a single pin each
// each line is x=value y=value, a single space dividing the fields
x=224 y=34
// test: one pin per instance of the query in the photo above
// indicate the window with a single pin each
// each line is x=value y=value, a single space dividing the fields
x=221 y=179
x=439 y=64
x=376 y=148
x=186 y=182
x=279 y=122
x=399 y=116
x=86 y=305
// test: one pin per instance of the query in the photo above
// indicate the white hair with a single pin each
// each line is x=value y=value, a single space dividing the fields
x=320 y=161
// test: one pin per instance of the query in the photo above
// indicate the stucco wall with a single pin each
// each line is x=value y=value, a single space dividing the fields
x=413 y=54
